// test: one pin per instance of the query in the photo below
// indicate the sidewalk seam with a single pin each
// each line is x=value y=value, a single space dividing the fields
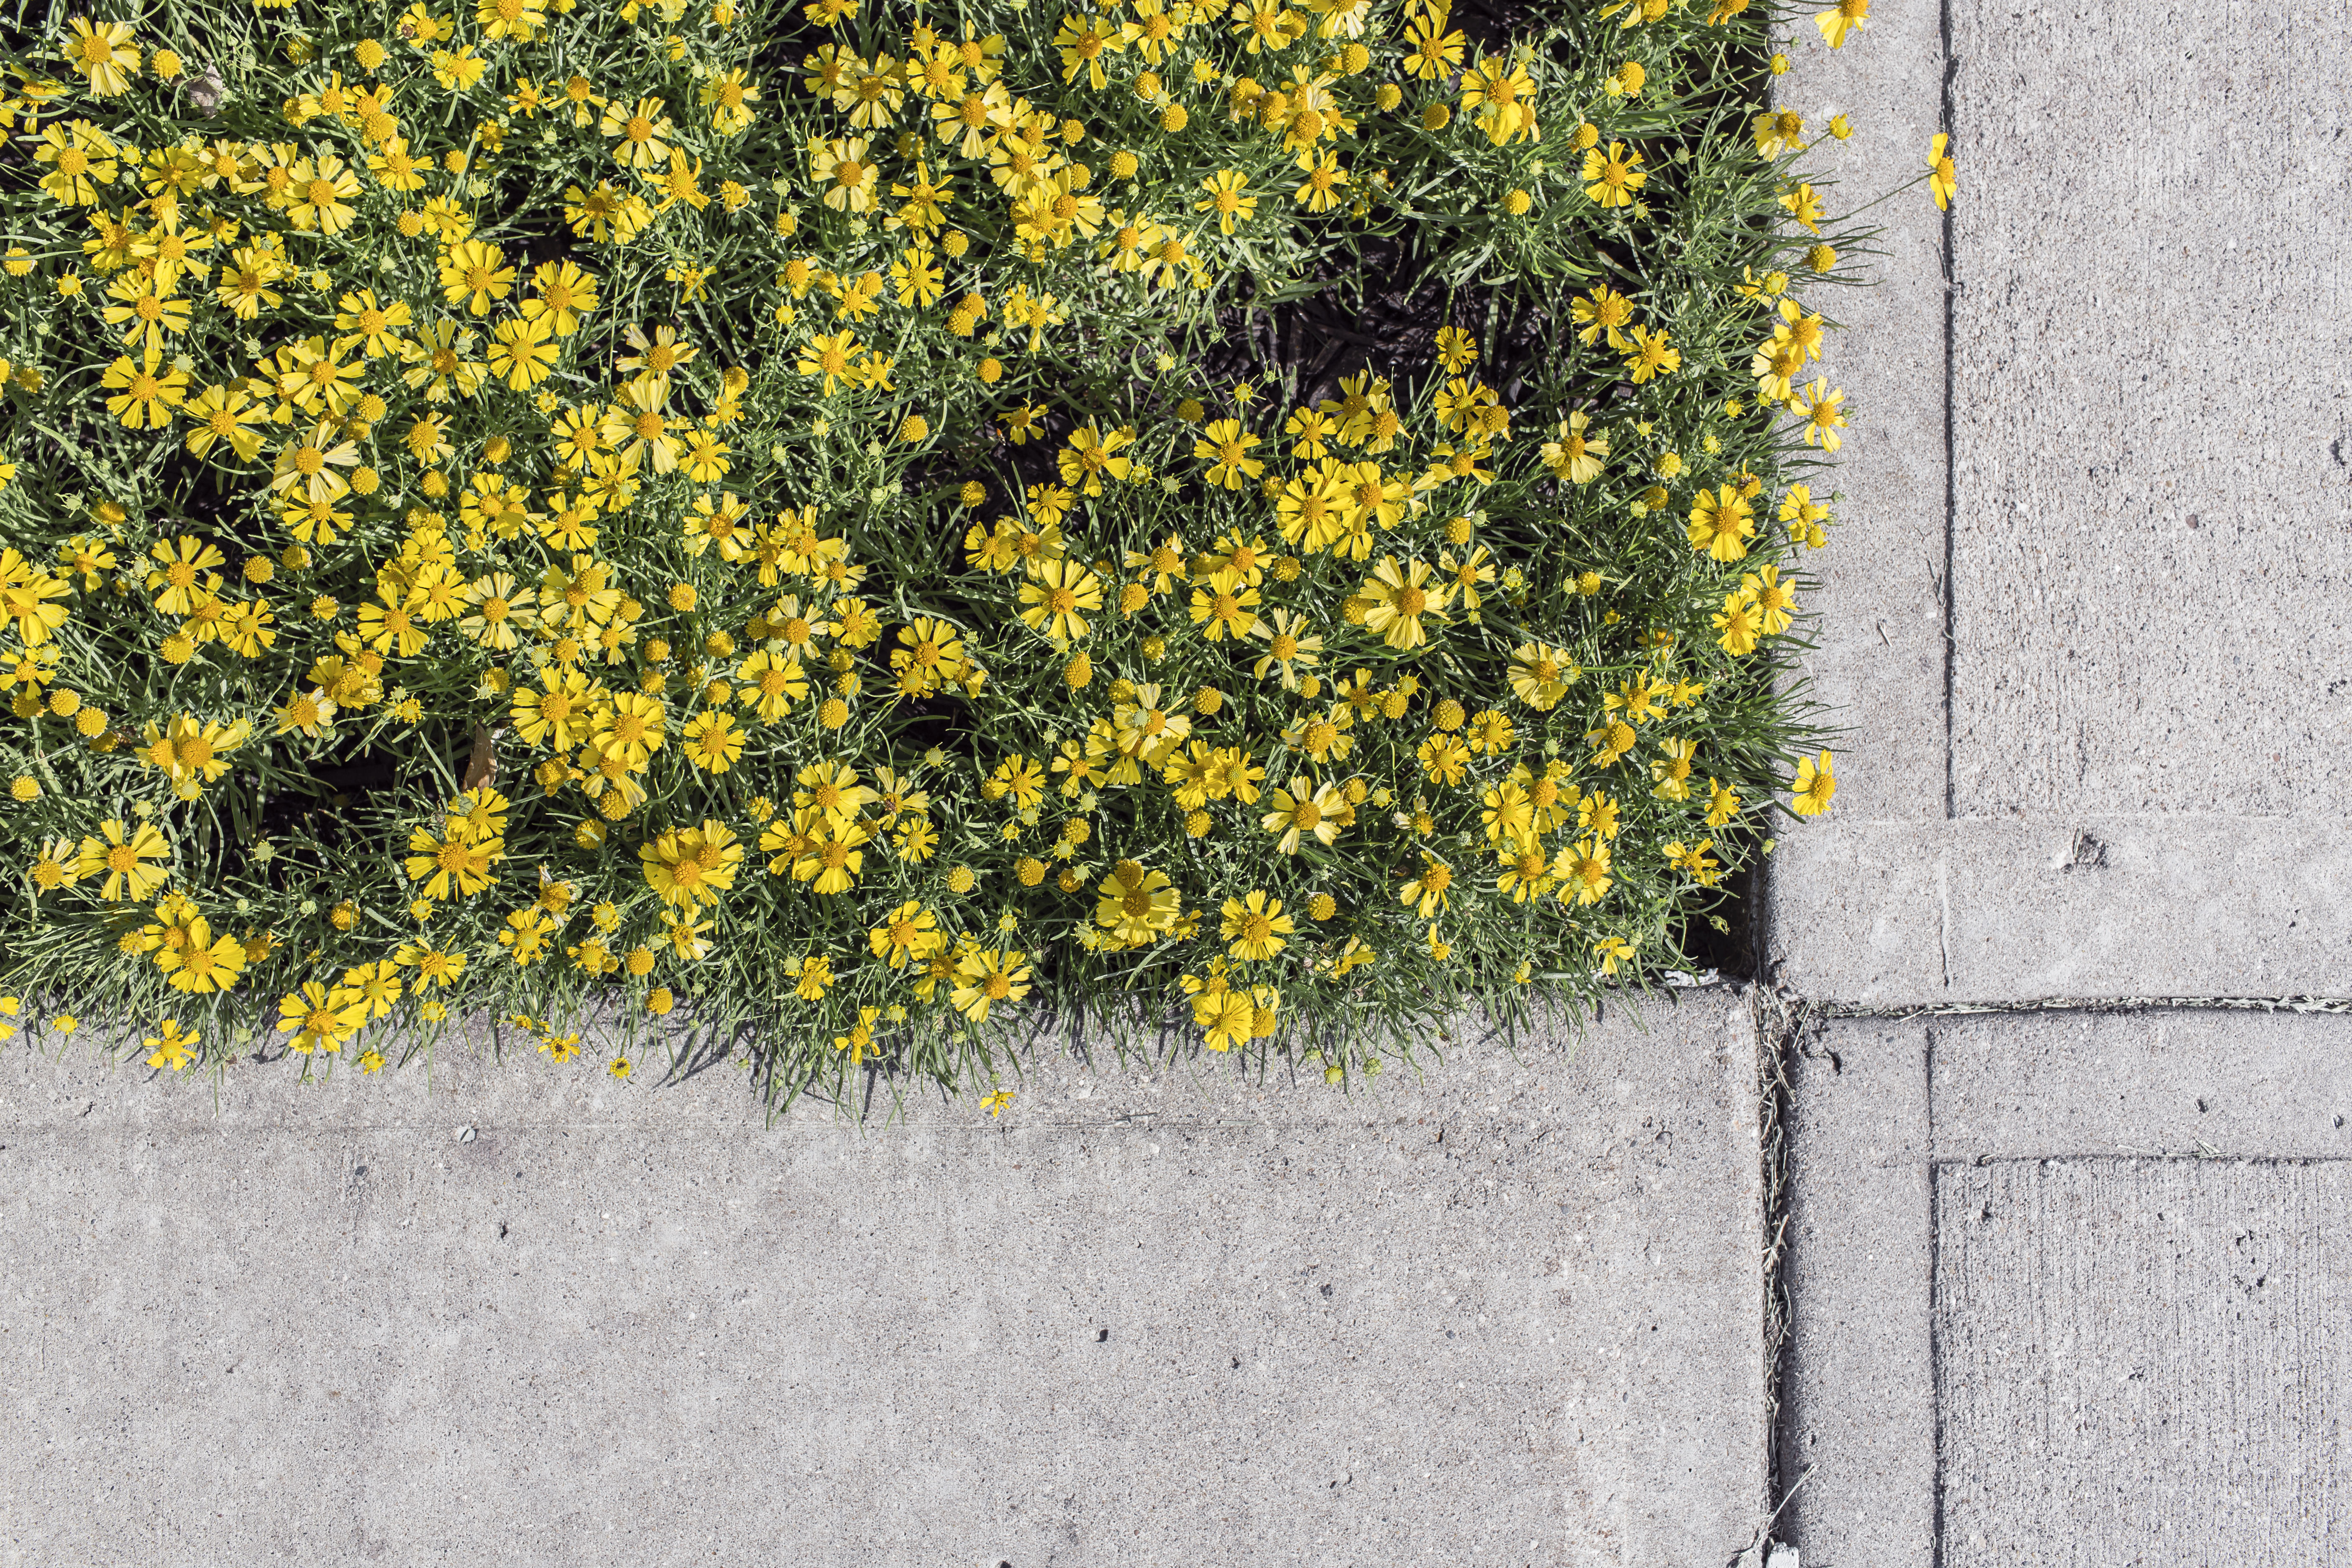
x=1951 y=448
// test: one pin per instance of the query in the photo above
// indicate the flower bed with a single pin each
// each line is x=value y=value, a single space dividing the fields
x=868 y=521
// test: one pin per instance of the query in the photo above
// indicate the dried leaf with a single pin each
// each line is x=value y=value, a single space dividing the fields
x=482 y=767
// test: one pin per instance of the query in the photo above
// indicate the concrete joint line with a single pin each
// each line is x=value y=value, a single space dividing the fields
x=2089 y=1005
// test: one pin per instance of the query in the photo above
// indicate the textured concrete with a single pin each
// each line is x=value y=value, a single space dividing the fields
x=2272 y=1085
x=2144 y=1361
x=1879 y=662
x=2153 y=542
x=1510 y=1315
x=2149 y=676
x=2068 y=1288
x=1900 y=913
x=1857 y=1431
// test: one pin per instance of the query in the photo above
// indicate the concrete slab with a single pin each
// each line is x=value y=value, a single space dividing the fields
x=2268 y=1085
x=1895 y=914
x=2153 y=539
x=2143 y=1361
x=2152 y=544
x=2016 y=1340
x=1511 y=1314
x=1857 y=1430
x=1880 y=658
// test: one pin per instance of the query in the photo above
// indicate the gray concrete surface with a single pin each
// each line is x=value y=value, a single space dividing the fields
x=1978 y=910
x=1857 y=1422
x=2067 y=1286
x=2153 y=542
x=1508 y=1315
x=2144 y=1361
x=2150 y=525
x=1849 y=915
x=2168 y=1083
x=1879 y=662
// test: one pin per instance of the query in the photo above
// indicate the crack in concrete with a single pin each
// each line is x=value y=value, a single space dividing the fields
x=2297 y=1003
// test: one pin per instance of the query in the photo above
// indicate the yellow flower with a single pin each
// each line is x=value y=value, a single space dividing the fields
x=1541 y=674
x=126 y=864
x=200 y=964
x=1501 y=94
x=1841 y=20
x=986 y=977
x=442 y=969
x=845 y=175
x=515 y=20
x=321 y=192
x=192 y=753
x=1612 y=177
x=1255 y=926
x=1135 y=904
x=1819 y=406
x=1942 y=181
x=1304 y=808
x=909 y=934
x=146 y=393
x=640 y=134
x=458 y=862
x=1649 y=354
x=1083 y=47
x=1721 y=523
x=523 y=352
x=1577 y=456
x=1319 y=191
x=1739 y=622
x=104 y=53
x=174 y=1047
x=318 y=1021
x=712 y=742
x=474 y=273
x=1055 y=596
x=1224 y=1018
x=1227 y=198
x=1583 y=871
x=1398 y=597
x=1814 y=786
x=559 y=714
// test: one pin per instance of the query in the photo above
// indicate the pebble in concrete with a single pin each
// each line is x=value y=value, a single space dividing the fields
x=1508 y=1315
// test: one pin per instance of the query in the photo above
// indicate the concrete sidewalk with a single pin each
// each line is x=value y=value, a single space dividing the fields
x=2067 y=1282
x=1506 y=1315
